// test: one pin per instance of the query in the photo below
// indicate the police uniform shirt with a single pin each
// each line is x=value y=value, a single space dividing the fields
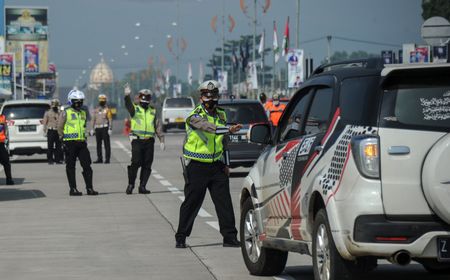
x=102 y=117
x=51 y=120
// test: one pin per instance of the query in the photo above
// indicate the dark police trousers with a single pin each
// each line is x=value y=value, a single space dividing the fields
x=74 y=150
x=203 y=176
x=4 y=160
x=141 y=156
x=54 y=153
x=101 y=134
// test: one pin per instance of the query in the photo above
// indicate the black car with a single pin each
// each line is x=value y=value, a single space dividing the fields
x=245 y=112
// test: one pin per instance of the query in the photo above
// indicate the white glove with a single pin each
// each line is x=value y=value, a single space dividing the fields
x=109 y=132
x=91 y=132
x=162 y=146
x=127 y=89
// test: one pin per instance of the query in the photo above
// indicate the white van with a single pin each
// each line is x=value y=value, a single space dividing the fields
x=25 y=125
x=175 y=111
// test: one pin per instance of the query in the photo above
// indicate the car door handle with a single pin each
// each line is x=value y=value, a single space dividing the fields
x=318 y=148
x=399 y=150
x=285 y=155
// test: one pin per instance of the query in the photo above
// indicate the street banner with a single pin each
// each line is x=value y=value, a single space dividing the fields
x=295 y=59
x=276 y=49
x=31 y=58
x=52 y=67
x=26 y=24
x=252 y=76
x=388 y=57
x=190 y=74
x=407 y=49
x=2 y=44
x=285 y=44
x=6 y=73
x=167 y=76
x=201 y=73
x=440 y=54
x=223 y=81
x=420 y=55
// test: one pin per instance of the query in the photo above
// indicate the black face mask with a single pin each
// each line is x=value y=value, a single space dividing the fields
x=77 y=105
x=102 y=103
x=144 y=105
x=211 y=104
x=55 y=109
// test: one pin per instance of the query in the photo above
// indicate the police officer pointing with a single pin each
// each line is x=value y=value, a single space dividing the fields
x=144 y=127
x=205 y=151
x=72 y=130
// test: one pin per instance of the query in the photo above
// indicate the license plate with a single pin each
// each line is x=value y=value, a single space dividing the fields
x=443 y=248
x=27 y=128
x=179 y=120
x=238 y=138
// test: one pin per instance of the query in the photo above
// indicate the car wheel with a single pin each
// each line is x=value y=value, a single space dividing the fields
x=435 y=267
x=259 y=260
x=327 y=262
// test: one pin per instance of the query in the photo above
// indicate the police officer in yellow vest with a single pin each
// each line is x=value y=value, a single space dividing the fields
x=144 y=127
x=72 y=130
x=207 y=166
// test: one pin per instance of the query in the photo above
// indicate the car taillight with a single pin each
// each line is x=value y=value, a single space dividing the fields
x=10 y=122
x=366 y=153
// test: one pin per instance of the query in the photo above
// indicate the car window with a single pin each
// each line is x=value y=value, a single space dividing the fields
x=417 y=102
x=290 y=126
x=179 y=103
x=25 y=111
x=319 y=112
x=244 y=113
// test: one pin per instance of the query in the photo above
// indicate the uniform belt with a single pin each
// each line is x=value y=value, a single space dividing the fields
x=52 y=128
x=101 y=125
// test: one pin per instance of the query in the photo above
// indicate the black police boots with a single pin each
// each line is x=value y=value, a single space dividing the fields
x=75 y=192
x=131 y=179
x=72 y=183
x=87 y=175
x=145 y=174
x=9 y=180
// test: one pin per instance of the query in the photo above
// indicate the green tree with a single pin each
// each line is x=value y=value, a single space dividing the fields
x=433 y=8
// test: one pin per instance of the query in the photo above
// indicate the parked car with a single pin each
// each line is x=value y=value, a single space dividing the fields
x=358 y=170
x=175 y=111
x=245 y=112
x=26 y=131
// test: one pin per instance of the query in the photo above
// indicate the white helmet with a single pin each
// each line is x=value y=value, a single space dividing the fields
x=75 y=94
x=209 y=88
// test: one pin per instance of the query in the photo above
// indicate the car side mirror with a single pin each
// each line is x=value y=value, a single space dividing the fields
x=260 y=133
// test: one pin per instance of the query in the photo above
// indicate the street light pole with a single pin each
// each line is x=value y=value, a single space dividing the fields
x=329 y=48
x=254 y=35
x=222 y=66
x=297 y=45
x=177 y=57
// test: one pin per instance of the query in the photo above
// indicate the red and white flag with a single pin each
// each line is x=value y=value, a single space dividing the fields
x=286 y=39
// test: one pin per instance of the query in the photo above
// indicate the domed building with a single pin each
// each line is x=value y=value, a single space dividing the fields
x=100 y=74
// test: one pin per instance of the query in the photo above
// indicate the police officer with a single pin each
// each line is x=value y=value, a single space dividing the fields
x=102 y=123
x=72 y=130
x=207 y=166
x=144 y=126
x=4 y=155
x=275 y=109
x=51 y=116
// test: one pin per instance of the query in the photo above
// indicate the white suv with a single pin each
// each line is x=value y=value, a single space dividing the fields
x=26 y=131
x=175 y=111
x=357 y=170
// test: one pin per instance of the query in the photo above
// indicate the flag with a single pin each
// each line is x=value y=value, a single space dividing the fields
x=167 y=74
x=276 y=49
x=200 y=73
x=190 y=74
x=261 y=44
x=286 y=38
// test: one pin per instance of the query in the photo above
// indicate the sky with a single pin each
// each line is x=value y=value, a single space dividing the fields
x=82 y=29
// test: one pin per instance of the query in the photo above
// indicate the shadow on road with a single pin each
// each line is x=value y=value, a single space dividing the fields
x=17 y=194
x=17 y=181
x=238 y=174
x=205 y=245
x=43 y=160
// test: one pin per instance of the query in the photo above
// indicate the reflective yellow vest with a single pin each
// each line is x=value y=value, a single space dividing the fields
x=201 y=145
x=75 y=126
x=143 y=122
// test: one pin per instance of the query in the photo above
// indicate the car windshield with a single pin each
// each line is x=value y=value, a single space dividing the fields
x=419 y=100
x=25 y=111
x=179 y=103
x=244 y=113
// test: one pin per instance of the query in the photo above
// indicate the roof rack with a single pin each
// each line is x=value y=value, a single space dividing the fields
x=368 y=63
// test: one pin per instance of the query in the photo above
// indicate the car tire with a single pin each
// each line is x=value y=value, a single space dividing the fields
x=259 y=260
x=435 y=267
x=328 y=264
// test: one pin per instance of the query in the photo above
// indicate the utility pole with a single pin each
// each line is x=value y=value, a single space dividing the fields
x=297 y=44
x=177 y=57
x=254 y=37
x=329 y=48
x=222 y=67
x=274 y=59
x=263 y=59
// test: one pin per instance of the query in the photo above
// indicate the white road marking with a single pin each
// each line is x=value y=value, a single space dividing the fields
x=202 y=213
x=122 y=146
x=157 y=176
x=175 y=190
x=165 y=183
x=214 y=224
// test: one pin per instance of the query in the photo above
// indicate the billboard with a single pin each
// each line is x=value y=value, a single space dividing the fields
x=440 y=54
x=2 y=17
x=31 y=58
x=26 y=24
x=16 y=48
x=295 y=59
x=6 y=73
